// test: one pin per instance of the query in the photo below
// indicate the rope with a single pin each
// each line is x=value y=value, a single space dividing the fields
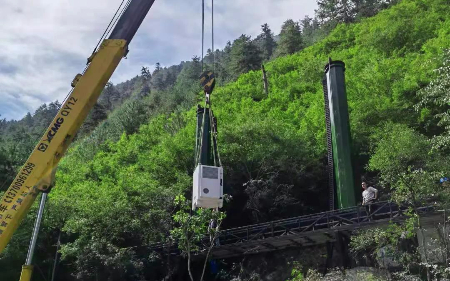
x=208 y=102
x=211 y=122
x=117 y=18
x=214 y=135
x=201 y=134
x=213 y=129
x=212 y=31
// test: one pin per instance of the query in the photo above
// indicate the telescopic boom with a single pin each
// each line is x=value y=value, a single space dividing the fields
x=19 y=197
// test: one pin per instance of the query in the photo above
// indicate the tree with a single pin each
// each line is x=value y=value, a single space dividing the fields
x=267 y=198
x=145 y=72
x=290 y=39
x=110 y=97
x=223 y=64
x=407 y=165
x=244 y=56
x=332 y=12
x=434 y=103
x=170 y=79
x=191 y=230
x=158 y=78
x=266 y=42
x=368 y=8
x=187 y=85
x=157 y=68
x=131 y=111
x=97 y=115
x=227 y=49
x=53 y=108
x=310 y=30
x=412 y=170
x=209 y=58
x=28 y=119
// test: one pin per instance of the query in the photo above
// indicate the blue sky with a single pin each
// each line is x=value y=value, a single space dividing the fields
x=45 y=43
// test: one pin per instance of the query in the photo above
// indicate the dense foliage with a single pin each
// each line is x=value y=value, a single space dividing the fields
x=116 y=187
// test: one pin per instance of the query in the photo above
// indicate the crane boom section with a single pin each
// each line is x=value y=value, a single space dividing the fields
x=19 y=197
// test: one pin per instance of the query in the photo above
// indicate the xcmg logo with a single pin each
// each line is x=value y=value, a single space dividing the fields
x=51 y=134
x=53 y=130
x=65 y=111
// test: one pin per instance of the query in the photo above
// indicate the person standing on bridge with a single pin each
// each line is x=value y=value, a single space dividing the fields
x=370 y=194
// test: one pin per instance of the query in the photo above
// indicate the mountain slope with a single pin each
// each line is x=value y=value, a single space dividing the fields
x=111 y=205
x=126 y=190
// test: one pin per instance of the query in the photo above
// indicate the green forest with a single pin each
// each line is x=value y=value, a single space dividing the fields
x=118 y=188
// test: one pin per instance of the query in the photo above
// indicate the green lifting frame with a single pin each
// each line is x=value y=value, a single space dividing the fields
x=340 y=131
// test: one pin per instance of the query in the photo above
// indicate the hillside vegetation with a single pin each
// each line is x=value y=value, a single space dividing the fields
x=114 y=195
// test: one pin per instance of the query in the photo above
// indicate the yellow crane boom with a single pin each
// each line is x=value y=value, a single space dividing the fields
x=35 y=175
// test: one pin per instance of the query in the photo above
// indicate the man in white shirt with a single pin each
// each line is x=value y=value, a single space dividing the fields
x=369 y=195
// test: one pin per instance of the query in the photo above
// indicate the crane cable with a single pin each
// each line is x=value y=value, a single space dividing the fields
x=112 y=23
x=108 y=29
x=208 y=92
x=212 y=34
x=203 y=29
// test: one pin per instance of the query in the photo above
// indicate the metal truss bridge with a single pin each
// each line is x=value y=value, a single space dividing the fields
x=303 y=231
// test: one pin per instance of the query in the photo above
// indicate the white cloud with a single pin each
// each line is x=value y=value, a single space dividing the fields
x=44 y=43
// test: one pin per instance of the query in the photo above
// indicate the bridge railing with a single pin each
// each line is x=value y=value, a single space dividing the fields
x=353 y=217
x=325 y=220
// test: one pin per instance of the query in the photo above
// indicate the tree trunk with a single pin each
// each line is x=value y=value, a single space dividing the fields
x=209 y=249
x=189 y=261
x=266 y=84
x=419 y=224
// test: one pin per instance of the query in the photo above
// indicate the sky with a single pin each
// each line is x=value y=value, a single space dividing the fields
x=45 y=43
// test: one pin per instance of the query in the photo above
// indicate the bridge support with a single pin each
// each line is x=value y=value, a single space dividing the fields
x=330 y=248
x=342 y=242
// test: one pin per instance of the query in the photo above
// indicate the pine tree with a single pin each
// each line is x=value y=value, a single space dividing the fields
x=209 y=58
x=195 y=68
x=157 y=67
x=145 y=72
x=223 y=64
x=266 y=42
x=28 y=119
x=97 y=115
x=332 y=12
x=368 y=8
x=290 y=39
x=310 y=30
x=170 y=79
x=110 y=97
x=244 y=56
x=157 y=80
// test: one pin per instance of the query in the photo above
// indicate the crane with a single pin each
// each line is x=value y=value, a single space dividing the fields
x=37 y=174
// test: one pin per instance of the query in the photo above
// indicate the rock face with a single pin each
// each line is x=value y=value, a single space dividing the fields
x=276 y=266
x=309 y=263
x=358 y=274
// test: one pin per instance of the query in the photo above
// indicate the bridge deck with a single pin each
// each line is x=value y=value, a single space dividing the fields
x=303 y=231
